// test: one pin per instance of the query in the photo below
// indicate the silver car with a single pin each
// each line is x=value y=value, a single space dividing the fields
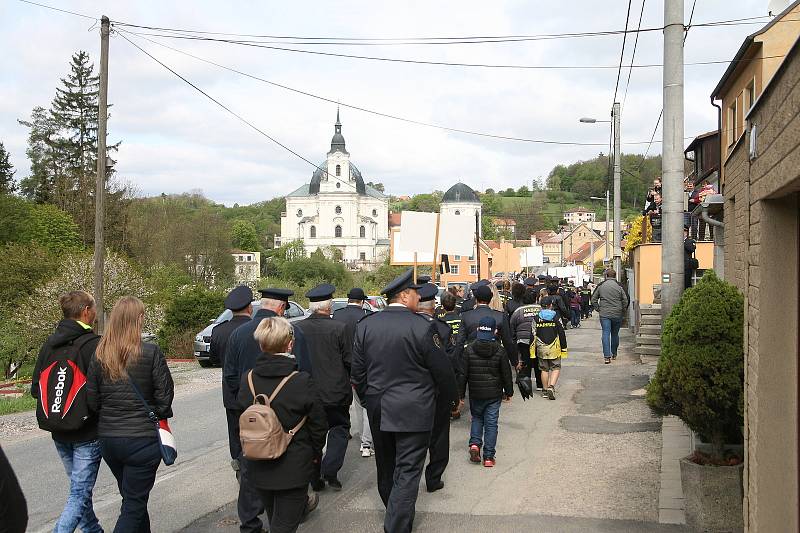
x=202 y=341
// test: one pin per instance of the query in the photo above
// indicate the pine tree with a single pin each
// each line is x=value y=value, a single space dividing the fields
x=40 y=185
x=7 y=184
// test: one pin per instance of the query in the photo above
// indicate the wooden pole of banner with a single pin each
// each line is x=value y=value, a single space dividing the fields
x=435 y=251
x=415 y=267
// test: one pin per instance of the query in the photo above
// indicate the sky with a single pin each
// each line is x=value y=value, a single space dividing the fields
x=174 y=140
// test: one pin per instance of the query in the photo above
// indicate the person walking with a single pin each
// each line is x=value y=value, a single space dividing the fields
x=551 y=345
x=282 y=483
x=241 y=352
x=522 y=331
x=690 y=263
x=350 y=315
x=517 y=292
x=471 y=319
x=611 y=301
x=488 y=376
x=75 y=439
x=575 y=307
x=239 y=301
x=330 y=348
x=586 y=297
x=13 y=507
x=398 y=367
x=126 y=374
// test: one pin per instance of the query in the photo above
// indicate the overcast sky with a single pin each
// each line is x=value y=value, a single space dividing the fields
x=174 y=140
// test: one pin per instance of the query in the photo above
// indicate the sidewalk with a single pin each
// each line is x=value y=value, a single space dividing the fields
x=589 y=461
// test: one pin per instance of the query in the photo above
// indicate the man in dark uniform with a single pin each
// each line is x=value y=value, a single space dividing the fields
x=439 y=447
x=471 y=319
x=328 y=342
x=353 y=311
x=239 y=301
x=586 y=296
x=452 y=317
x=398 y=366
x=469 y=303
x=240 y=357
x=537 y=285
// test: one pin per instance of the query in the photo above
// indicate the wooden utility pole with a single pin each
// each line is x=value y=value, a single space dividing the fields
x=478 y=245
x=434 y=268
x=100 y=184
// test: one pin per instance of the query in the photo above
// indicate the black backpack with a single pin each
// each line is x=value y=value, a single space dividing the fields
x=62 y=404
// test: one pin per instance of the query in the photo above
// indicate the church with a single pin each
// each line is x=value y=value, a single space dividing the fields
x=337 y=209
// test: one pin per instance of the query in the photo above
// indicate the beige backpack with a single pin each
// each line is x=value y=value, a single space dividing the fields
x=260 y=431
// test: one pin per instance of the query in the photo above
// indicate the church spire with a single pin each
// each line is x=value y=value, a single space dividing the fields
x=337 y=142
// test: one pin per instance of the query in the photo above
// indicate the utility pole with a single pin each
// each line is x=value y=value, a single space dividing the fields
x=608 y=213
x=617 y=192
x=478 y=246
x=672 y=159
x=100 y=184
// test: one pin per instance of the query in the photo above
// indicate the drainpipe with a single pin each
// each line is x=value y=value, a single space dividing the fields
x=708 y=219
x=719 y=129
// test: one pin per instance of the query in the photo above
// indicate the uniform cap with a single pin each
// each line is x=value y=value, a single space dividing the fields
x=531 y=281
x=276 y=294
x=400 y=283
x=499 y=284
x=423 y=279
x=482 y=293
x=427 y=292
x=486 y=328
x=239 y=298
x=543 y=276
x=320 y=293
x=356 y=293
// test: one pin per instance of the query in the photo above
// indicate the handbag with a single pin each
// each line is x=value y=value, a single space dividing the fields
x=166 y=441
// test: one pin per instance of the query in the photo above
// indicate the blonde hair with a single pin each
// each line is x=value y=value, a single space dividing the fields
x=497 y=302
x=273 y=334
x=121 y=344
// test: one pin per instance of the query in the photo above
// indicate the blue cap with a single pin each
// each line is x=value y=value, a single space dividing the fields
x=356 y=293
x=276 y=294
x=423 y=279
x=321 y=292
x=427 y=292
x=530 y=282
x=400 y=283
x=482 y=293
x=239 y=298
x=486 y=328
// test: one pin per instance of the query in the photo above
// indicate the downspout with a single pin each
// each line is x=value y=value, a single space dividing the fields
x=704 y=215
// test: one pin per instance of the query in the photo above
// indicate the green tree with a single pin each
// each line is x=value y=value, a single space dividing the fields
x=244 y=236
x=491 y=204
x=377 y=186
x=23 y=268
x=45 y=158
x=425 y=202
x=187 y=313
x=523 y=191
x=7 y=184
x=52 y=228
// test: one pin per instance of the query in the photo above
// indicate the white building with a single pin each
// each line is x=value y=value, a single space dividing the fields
x=246 y=266
x=336 y=209
x=460 y=199
x=578 y=215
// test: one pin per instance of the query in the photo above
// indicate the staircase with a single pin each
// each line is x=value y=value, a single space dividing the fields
x=648 y=339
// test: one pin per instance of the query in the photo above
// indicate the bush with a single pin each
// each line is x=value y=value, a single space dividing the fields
x=186 y=314
x=701 y=370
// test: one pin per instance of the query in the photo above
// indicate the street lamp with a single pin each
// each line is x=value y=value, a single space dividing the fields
x=589 y=120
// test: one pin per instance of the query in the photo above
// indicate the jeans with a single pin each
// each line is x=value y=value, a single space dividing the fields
x=133 y=461
x=81 y=461
x=610 y=335
x=576 y=317
x=485 y=414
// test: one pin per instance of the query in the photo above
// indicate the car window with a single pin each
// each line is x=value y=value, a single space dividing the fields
x=293 y=310
x=338 y=304
x=224 y=317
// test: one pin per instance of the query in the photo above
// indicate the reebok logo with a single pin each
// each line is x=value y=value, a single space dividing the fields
x=59 y=388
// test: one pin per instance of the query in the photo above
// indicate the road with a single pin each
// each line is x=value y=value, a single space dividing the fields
x=588 y=461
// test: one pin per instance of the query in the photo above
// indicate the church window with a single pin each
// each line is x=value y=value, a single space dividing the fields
x=313 y=232
x=337 y=232
x=338 y=210
x=362 y=232
x=374 y=212
x=338 y=184
x=338 y=170
x=299 y=212
x=458 y=212
x=362 y=256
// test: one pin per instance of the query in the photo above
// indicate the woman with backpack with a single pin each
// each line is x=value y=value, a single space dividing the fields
x=281 y=481
x=126 y=371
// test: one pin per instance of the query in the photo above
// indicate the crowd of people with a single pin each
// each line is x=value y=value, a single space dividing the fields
x=287 y=389
x=696 y=227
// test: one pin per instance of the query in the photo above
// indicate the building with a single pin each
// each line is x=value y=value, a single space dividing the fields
x=552 y=248
x=337 y=209
x=583 y=256
x=505 y=226
x=761 y=192
x=460 y=199
x=578 y=215
x=246 y=266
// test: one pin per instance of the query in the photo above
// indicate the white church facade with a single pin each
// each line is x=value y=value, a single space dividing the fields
x=337 y=209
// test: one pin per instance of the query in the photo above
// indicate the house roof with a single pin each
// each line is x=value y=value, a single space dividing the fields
x=581 y=253
x=394 y=219
x=581 y=209
x=461 y=193
x=733 y=65
x=543 y=235
x=700 y=138
x=504 y=222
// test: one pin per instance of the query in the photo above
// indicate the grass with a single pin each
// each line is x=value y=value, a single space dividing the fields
x=26 y=402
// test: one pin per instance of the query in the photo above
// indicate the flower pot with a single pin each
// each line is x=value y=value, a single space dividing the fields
x=712 y=496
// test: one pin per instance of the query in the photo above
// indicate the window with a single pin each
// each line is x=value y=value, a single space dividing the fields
x=338 y=170
x=362 y=232
x=338 y=185
x=337 y=232
x=472 y=258
x=456 y=258
x=338 y=210
x=473 y=270
x=249 y=257
x=362 y=256
x=454 y=269
x=299 y=212
x=313 y=233
x=458 y=212
x=750 y=94
x=374 y=212
x=241 y=269
x=732 y=126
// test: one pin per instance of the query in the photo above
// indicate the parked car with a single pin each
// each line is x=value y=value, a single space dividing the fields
x=339 y=303
x=377 y=302
x=202 y=341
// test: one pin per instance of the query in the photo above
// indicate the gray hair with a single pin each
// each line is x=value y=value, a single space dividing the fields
x=428 y=305
x=323 y=306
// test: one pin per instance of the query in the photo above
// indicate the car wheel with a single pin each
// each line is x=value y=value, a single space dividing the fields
x=205 y=363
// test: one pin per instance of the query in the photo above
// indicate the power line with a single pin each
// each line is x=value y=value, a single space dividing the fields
x=633 y=55
x=59 y=9
x=622 y=52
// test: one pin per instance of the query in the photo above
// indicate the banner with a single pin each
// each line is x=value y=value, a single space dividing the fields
x=456 y=234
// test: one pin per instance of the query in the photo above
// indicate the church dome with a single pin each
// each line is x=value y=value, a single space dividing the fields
x=316 y=178
x=460 y=193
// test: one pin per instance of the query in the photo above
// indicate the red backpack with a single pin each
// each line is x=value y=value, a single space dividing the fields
x=62 y=403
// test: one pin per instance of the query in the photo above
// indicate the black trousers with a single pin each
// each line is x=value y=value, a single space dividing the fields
x=338 y=432
x=439 y=446
x=528 y=363
x=399 y=459
x=285 y=508
x=249 y=504
x=133 y=461
x=235 y=445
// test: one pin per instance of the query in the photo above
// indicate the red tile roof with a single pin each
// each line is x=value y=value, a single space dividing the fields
x=394 y=219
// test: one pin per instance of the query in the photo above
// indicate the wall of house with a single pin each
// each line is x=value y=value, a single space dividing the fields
x=505 y=259
x=647 y=267
x=762 y=212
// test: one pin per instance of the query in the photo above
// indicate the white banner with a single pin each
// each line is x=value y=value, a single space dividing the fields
x=456 y=234
x=402 y=257
x=417 y=234
x=531 y=256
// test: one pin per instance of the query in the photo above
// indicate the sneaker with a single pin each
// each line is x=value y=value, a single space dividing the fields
x=539 y=389
x=333 y=482
x=318 y=485
x=311 y=504
x=489 y=462
x=475 y=454
x=544 y=393
x=551 y=393
x=607 y=361
x=614 y=357
x=367 y=452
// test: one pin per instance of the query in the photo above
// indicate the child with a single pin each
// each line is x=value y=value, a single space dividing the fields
x=551 y=346
x=486 y=370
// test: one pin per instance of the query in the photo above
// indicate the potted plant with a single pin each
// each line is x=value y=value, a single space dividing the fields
x=700 y=379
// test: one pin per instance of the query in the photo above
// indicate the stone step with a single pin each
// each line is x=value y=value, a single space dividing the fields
x=647 y=350
x=650 y=306
x=650 y=330
x=648 y=340
x=650 y=320
x=650 y=311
